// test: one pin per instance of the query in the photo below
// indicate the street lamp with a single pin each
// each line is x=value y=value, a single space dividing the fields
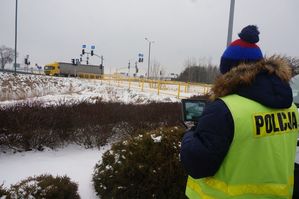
x=230 y=23
x=16 y=20
x=149 y=55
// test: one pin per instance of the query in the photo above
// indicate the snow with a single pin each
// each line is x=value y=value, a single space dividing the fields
x=156 y=139
x=51 y=91
x=73 y=161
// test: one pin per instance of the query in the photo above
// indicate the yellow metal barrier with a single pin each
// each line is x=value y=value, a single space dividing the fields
x=182 y=89
x=179 y=90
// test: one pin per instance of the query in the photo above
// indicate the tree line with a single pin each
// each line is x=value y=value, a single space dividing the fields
x=207 y=73
x=194 y=71
x=6 y=56
x=198 y=72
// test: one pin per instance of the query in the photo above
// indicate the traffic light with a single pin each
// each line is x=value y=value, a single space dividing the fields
x=91 y=52
x=83 y=51
x=27 y=61
x=140 y=57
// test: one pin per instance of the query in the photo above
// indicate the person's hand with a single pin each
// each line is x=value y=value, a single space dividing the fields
x=190 y=126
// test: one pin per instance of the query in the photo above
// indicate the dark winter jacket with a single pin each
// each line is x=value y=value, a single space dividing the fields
x=267 y=82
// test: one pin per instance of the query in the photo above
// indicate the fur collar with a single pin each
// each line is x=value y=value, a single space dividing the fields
x=244 y=74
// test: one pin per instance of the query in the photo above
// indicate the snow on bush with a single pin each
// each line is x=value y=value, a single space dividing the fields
x=146 y=166
x=3 y=191
x=43 y=186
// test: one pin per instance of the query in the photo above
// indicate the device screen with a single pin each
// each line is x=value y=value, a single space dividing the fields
x=192 y=109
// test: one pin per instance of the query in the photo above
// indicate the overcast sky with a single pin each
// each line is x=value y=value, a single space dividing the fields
x=54 y=30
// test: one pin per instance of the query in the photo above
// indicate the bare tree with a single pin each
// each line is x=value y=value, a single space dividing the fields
x=198 y=72
x=162 y=72
x=155 y=69
x=189 y=63
x=294 y=63
x=6 y=55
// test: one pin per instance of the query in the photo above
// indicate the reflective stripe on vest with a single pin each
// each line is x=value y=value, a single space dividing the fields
x=250 y=169
x=193 y=190
x=235 y=190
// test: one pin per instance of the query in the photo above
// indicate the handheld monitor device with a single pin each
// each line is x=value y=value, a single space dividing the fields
x=192 y=109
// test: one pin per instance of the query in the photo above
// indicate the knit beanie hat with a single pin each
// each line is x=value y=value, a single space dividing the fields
x=242 y=50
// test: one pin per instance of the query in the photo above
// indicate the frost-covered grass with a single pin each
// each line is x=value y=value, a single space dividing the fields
x=50 y=91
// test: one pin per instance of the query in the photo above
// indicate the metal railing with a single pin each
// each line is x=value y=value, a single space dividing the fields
x=161 y=87
x=166 y=87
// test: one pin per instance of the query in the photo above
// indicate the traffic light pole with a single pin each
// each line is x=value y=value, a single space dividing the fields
x=16 y=31
x=91 y=53
x=149 y=59
x=101 y=57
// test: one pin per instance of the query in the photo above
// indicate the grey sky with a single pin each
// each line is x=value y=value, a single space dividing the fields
x=54 y=30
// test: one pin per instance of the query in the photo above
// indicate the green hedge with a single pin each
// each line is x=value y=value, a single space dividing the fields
x=146 y=166
x=43 y=186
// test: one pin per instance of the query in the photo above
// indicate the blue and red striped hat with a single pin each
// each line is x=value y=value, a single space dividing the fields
x=242 y=50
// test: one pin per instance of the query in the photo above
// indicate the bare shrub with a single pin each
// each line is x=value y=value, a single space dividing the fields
x=31 y=126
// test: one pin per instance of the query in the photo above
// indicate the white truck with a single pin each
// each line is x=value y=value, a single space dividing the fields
x=69 y=69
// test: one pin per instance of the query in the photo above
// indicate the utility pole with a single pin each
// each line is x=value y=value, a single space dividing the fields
x=230 y=23
x=102 y=60
x=16 y=31
x=149 y=59
x=149 y=55
x=129 y=66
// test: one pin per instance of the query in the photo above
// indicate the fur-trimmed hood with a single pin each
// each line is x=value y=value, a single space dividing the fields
x=266 y=81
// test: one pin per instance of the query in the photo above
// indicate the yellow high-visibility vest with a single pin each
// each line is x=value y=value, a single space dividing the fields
x=260 y=161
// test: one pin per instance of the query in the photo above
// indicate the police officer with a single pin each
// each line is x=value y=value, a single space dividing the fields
x=245 y=143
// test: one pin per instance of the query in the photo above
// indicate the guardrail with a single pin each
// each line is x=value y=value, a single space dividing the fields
x=90 y=76
x=167 y=87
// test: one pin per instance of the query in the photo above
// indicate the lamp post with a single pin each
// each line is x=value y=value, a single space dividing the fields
x=230 y=23
x=149 y=55
x=16 y=31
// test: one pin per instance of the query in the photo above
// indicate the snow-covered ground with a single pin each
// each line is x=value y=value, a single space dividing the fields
x=73 y=161
x=56 y=90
